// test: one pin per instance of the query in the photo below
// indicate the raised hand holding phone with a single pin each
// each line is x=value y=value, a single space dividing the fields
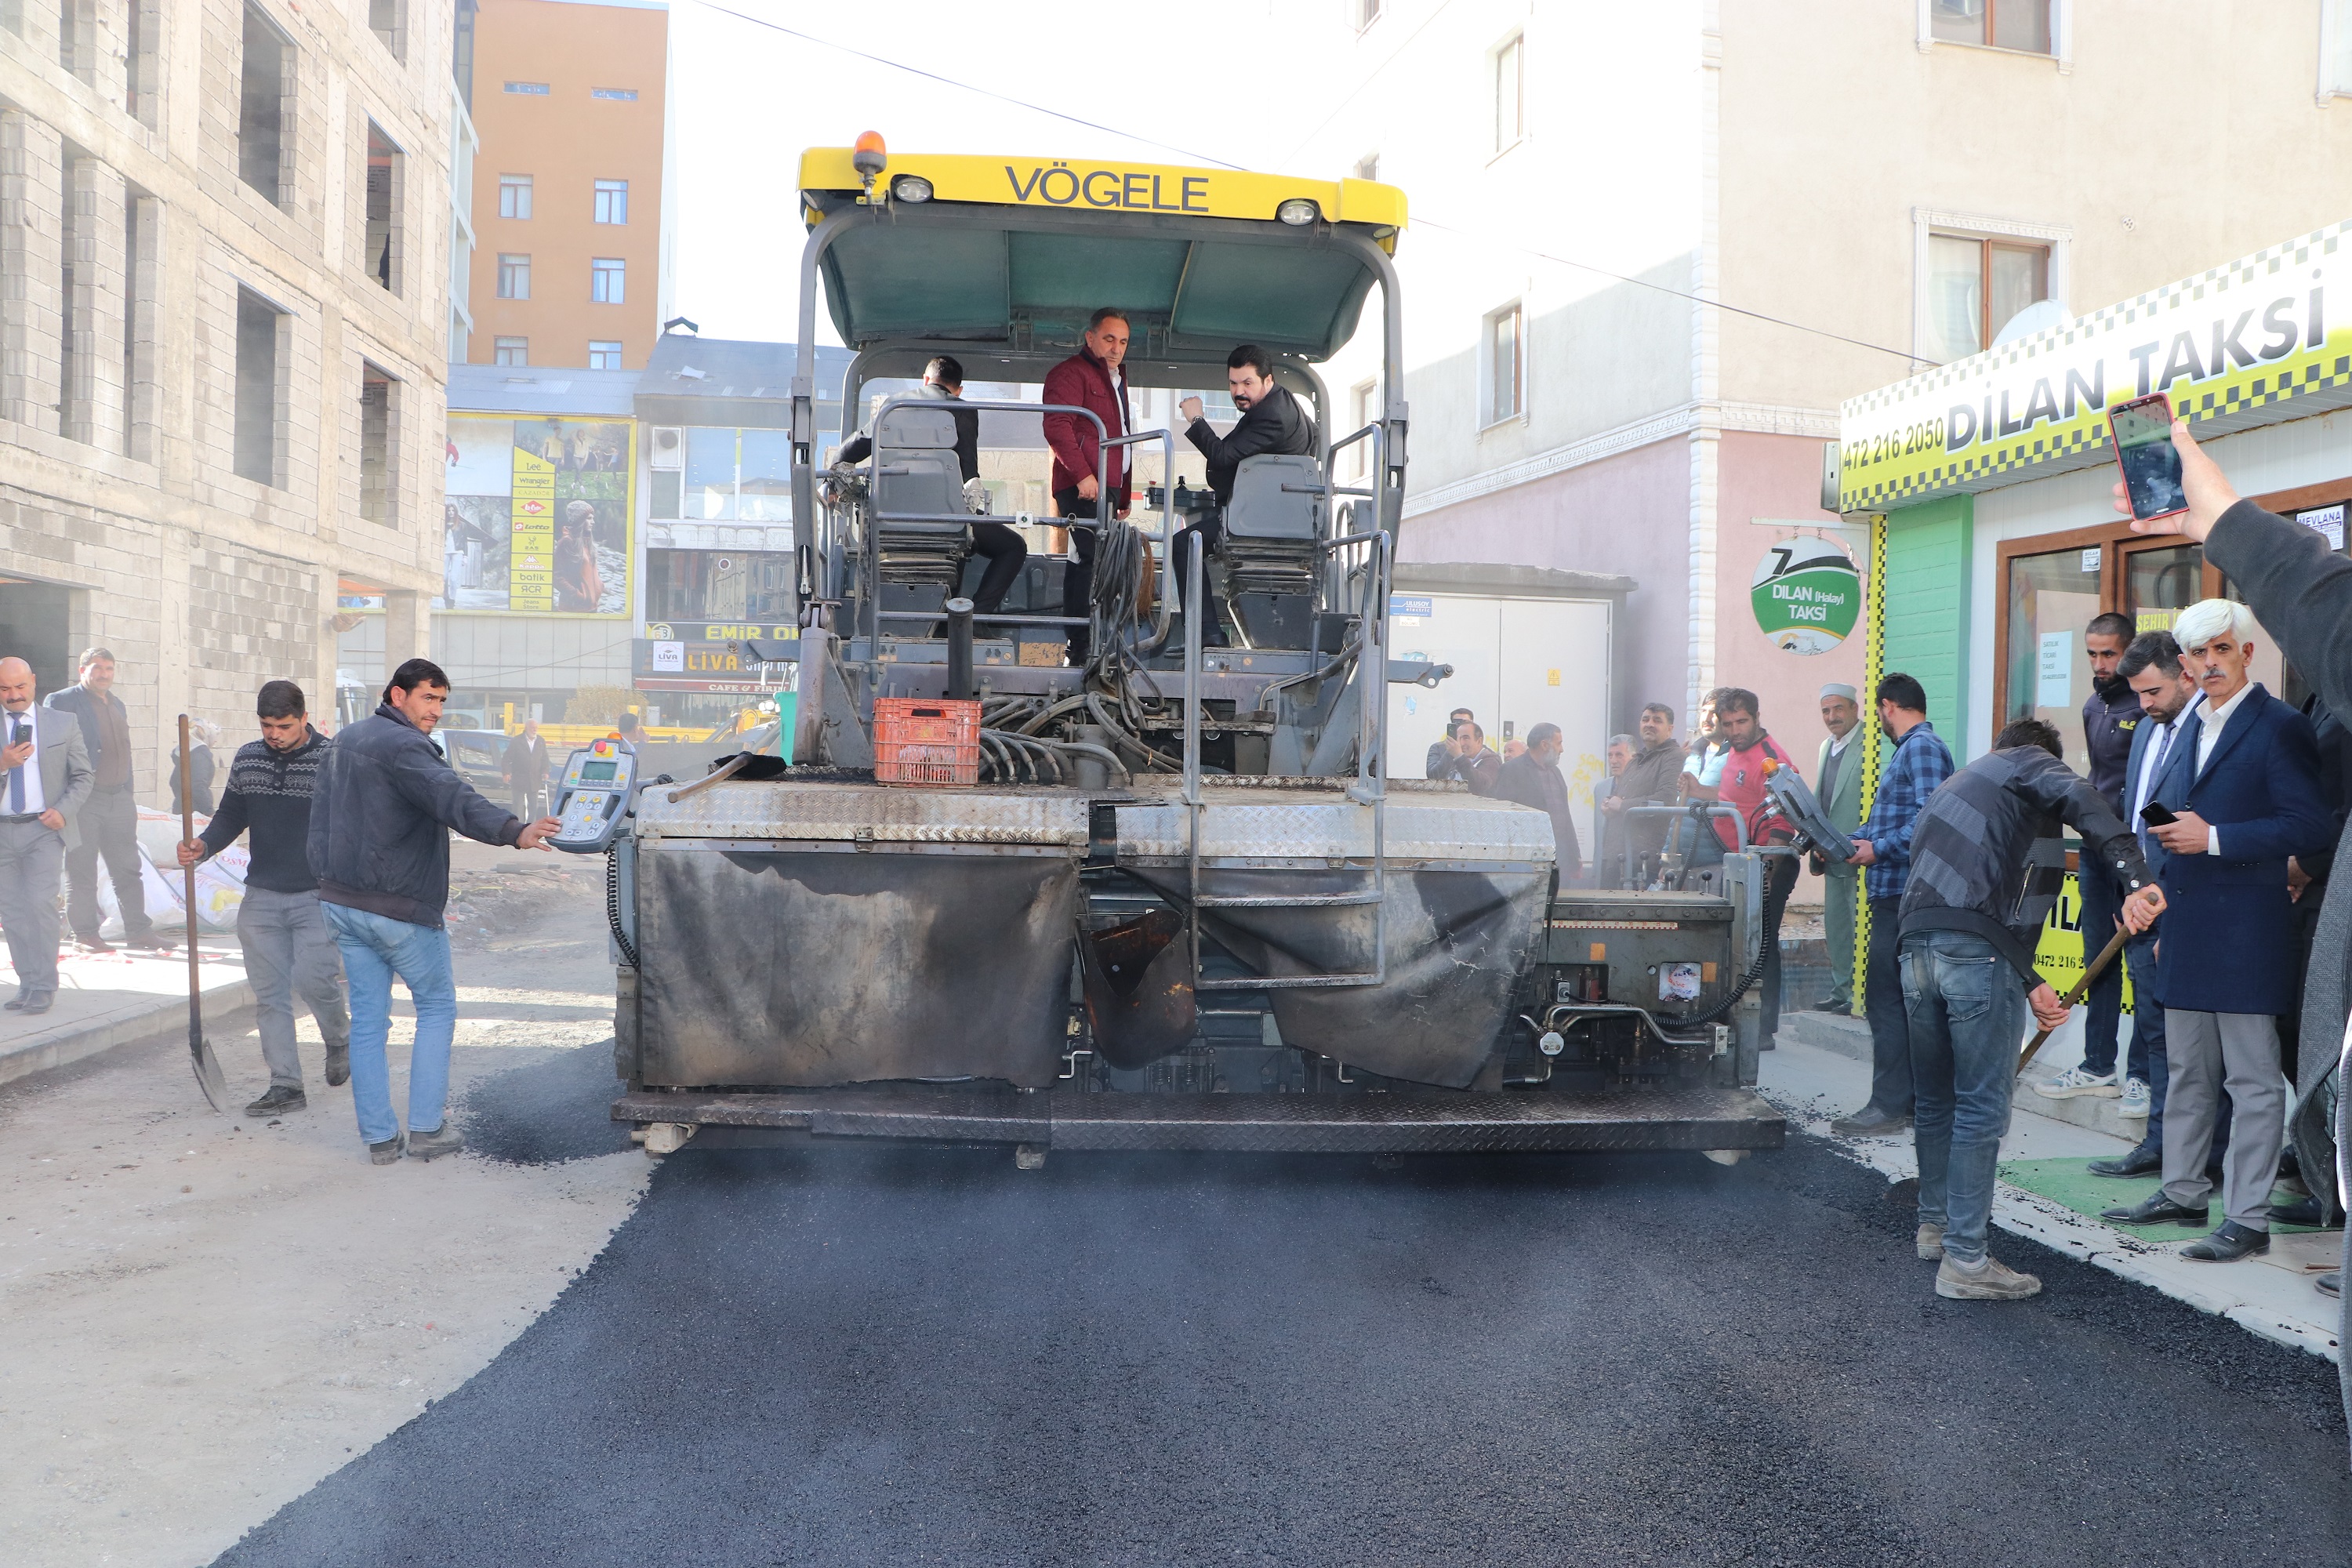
x=2208 y=492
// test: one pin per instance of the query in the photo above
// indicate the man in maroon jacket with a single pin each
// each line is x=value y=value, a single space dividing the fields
x=1090 y=379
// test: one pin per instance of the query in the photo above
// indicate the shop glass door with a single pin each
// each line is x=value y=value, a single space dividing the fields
x=2052 y=598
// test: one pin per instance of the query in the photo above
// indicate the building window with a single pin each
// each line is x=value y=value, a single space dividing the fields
x=1361 y=411
x=1510 y=93
x=142 y=22
x=2019 y=25
x=388 y=20
x=514 y=276
x=718 y=584
x=514 y=195
x=603 y=354
x=77 y=39
x=379 y=469
x=1367 y=13
x=257 y=444
x=512 y=351
x=608 y=281
x=1503 y=348
x=612 y=201
x=711 y=476
x=2335 y=49
x=764 y=477
x=1975 y=286
x=1367 y=167
x=264 y=90
x=140 y=349
x=380 y=242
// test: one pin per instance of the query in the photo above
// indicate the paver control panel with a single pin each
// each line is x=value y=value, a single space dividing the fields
x=594 y=797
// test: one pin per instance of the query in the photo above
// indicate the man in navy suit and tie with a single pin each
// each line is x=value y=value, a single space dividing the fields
x=2166 y=692
x=2242 y=783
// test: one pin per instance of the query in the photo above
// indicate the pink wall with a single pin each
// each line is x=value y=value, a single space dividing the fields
x=1627 y=514
x=1777 y=477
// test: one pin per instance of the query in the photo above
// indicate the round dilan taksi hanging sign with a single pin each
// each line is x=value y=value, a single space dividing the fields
x=1807 y=594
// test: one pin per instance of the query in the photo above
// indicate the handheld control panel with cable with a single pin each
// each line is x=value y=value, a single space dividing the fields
x=594 y=798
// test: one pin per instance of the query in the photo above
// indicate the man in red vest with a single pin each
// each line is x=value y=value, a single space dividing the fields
x=1750 y=748
x=1091 y=379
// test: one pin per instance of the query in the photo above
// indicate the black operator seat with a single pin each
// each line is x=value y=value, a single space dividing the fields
x=915 y=474
x=1271 y=525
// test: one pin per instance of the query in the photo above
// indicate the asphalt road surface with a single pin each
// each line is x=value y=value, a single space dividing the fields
x=862 y=1355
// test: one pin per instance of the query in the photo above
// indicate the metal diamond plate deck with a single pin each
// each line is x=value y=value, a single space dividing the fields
x=1258 y=824
x=788 y=809
x=1423 y=1122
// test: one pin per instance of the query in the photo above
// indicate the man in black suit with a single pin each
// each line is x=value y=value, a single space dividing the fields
x=2166 y=692
x=1271 y=421
x=108 y=824
x=525 y=765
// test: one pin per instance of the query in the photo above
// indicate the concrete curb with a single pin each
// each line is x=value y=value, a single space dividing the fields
x=136 y=1018
x=1834 y=1032
x=1850 y=1038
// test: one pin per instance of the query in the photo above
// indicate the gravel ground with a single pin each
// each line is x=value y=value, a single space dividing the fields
x=849 y=1355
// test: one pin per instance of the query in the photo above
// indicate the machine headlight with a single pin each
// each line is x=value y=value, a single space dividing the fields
x=911 y=188
x=1297 y=212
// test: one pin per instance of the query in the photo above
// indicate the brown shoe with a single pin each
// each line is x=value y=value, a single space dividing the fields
x=1991 y=1281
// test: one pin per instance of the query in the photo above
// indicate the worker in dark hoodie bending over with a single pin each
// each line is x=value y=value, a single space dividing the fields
x=1987 y=866
x=1271 y=421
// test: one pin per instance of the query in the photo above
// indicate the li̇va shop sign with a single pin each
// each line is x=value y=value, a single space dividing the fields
x=1807 y=595
x=2228 y=346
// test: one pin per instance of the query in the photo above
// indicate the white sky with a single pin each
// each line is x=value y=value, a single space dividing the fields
x=747 y=100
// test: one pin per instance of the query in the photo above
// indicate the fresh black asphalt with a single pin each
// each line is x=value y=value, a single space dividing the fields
x=848 y=1354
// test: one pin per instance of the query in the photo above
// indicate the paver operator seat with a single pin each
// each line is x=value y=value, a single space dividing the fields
x=915 y=472
x=1269 y=547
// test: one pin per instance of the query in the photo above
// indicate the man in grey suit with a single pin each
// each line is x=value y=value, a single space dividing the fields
x=1839 y=771
x=45 y=772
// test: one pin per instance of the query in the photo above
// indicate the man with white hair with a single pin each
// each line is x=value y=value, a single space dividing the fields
x=2241 y=789
x=1839 y=768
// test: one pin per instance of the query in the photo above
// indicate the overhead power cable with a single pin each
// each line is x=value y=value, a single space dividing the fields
x=1223 y=163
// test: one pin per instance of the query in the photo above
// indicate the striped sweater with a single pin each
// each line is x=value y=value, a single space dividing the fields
x=269 y=793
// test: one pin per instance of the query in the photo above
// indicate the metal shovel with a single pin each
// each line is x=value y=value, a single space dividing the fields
x=200 y=1050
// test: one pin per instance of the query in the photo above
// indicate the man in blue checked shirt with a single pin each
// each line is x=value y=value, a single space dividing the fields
x=1919 y=767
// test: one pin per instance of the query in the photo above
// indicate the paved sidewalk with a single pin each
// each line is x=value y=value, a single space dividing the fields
x=1813 y=1083
x=111 y=999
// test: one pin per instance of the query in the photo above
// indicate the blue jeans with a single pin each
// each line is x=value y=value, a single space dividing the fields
x=375 y=948
x=1966 y=1008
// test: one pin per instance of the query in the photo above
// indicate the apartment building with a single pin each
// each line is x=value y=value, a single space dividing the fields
x=1664 y=242
x=571 y=190
x=223 y=324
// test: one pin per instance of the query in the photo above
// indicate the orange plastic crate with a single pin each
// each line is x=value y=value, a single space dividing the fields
x=919 y=740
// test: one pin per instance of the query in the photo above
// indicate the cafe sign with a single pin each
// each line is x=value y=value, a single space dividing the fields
x=2264 y=339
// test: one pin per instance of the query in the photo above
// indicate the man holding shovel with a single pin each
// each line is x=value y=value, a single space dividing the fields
x=288 y=948
x=1987 y=864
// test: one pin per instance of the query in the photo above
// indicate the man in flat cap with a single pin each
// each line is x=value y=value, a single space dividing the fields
x=1841 y=795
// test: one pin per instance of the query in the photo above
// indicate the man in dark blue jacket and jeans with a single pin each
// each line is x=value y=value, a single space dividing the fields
x=380 y=816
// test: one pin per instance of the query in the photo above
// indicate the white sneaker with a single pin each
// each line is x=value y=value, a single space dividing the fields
x=2075 y=1081
x=2136 y=1100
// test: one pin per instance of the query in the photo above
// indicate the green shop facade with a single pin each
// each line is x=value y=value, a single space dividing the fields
x=1985 y=486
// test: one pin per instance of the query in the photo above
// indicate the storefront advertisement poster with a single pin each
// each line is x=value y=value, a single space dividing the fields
x=538 y=515
x=2229 y=347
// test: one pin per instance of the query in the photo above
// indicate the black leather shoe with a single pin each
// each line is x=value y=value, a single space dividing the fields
x=2330 y=1285
x=38 y=1002
x=1870 y=1122
x=2155 y=1209
x=1832 y=1005
x=2301 y=1211
x=2146 y=1159
x=2229 y=1244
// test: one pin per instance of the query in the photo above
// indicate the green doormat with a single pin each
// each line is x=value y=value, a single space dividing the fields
x=2070 y=1185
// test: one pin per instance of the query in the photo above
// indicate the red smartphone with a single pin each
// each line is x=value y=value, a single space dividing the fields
x=2141 y=431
